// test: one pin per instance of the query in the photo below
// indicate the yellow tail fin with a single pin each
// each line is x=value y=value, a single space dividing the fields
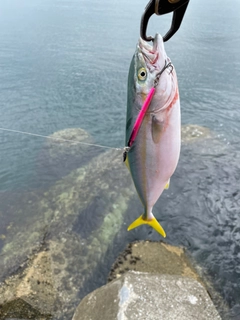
x=153 y=223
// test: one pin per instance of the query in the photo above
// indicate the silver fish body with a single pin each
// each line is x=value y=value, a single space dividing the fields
x=154 y=154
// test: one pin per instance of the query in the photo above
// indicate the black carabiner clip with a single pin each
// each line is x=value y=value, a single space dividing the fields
x=160 y=7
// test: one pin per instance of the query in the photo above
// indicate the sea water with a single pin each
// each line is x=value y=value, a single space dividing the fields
x=64 y=64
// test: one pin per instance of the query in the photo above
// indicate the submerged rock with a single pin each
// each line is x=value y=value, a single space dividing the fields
x=64 y=151
x=78 y=218
x=203 y=139
x=192 y=132
x=31 y=295
x=64 y=145
x=141 y=296
x=97 y=194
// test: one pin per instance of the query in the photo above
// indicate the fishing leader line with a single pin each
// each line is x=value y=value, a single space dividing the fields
x=61 y=139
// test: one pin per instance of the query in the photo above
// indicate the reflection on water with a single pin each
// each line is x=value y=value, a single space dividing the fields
x=64 y=65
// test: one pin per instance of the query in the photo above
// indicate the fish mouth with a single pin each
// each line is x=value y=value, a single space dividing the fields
x=149 y=52
x=155 y=59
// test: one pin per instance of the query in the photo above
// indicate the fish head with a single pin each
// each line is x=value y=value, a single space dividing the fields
x=148 y=61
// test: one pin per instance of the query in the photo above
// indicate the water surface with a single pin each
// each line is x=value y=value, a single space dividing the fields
x=64 y=64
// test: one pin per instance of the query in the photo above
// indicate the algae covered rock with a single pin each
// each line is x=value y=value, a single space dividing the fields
x=72 y=142
x=31 y=295
x=202 y=139
x=99 y=191
x=153 y=257
x=64 y=151
x=192 y=132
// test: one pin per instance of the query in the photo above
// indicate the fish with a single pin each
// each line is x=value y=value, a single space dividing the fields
x=152 y=139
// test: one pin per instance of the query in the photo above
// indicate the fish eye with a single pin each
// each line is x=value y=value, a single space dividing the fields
x=142 y=74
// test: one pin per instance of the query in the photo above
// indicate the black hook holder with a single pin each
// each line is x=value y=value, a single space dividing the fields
x=159 y=7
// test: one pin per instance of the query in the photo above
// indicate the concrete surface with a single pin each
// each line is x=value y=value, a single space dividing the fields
x=141 y=296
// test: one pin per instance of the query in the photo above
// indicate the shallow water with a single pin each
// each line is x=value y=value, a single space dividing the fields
x=64 y=64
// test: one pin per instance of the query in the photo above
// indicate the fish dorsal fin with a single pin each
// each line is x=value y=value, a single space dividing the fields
x=157 y=128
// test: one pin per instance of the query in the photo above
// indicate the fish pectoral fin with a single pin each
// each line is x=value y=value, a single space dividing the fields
x=157 y=129
x=167 y=184
x=153 y=223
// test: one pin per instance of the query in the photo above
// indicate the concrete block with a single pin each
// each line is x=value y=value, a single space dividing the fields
x=141 y=296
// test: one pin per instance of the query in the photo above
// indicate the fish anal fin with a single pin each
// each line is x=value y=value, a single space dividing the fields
x=157 y=128
x=153 y=223
x=167 y=184
x=127 y=162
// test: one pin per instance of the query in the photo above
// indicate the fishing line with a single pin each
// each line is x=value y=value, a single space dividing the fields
x=136 y=125
x=61 y=139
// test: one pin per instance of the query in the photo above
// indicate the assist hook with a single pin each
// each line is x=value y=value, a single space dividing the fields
x=160 y=7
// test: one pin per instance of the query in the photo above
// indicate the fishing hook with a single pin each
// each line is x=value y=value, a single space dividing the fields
x=160 y=7
x=167 y=65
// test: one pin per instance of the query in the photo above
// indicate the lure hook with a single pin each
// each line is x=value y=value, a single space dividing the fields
x=159 y=7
